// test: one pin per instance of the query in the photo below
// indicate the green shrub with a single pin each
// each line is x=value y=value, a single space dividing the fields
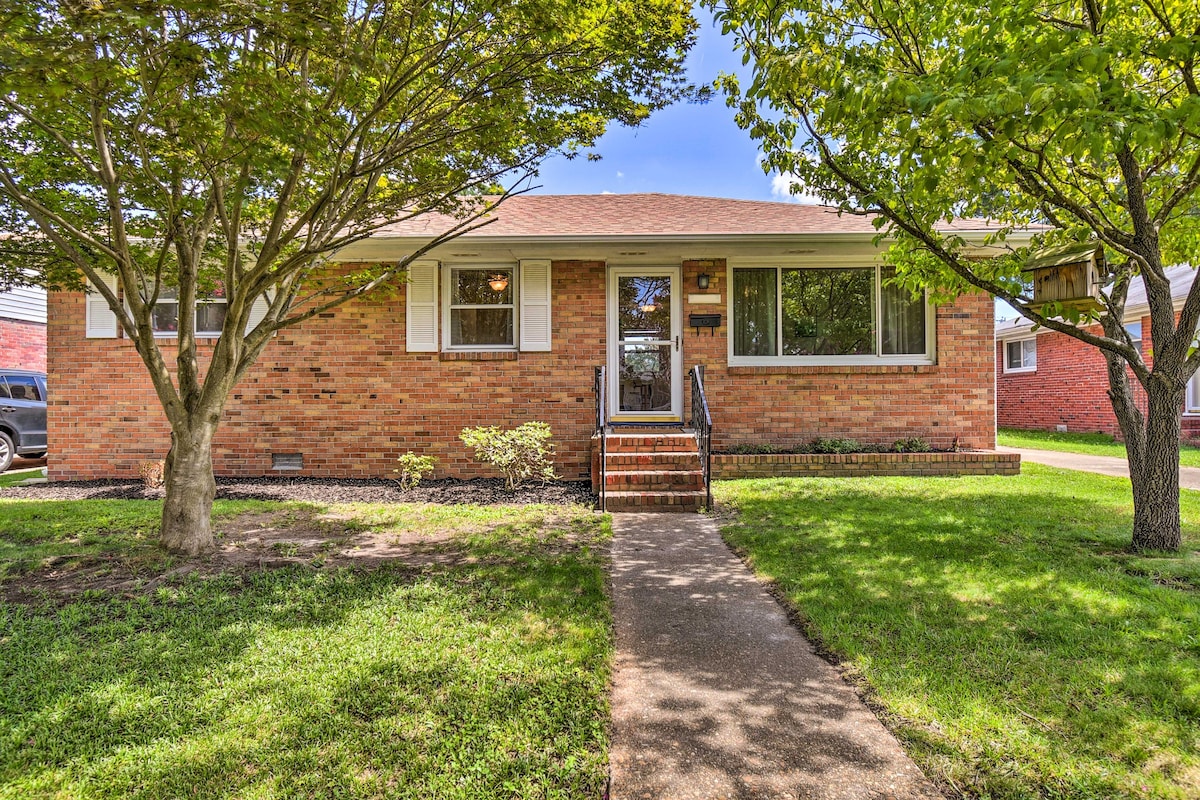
x=835 y=446
x=413 y=468
x=521 y=454
x=752 y=449
x=911 y=444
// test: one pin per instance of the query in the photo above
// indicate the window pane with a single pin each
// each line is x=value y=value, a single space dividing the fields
x=1134 y=329
x=210 y=317
x=1021 y=355
x=646 y=377
x=754 y=312
x=23 y=387
x=481 y=326
x=644 y=307
x=165 y=316
x=828 y=312
x=473 y=287
x=902 y=318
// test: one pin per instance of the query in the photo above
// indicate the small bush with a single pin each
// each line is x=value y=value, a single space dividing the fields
x=521 y=454
x=752 y=449
x=911 y=444
x=413 y=468
x=835 y=446
x=153 y=474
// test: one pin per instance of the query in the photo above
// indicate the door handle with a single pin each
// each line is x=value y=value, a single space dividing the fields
x=8 y=409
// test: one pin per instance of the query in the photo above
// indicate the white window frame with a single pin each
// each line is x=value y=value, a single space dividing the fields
x=205 y=301
x=1008 y=370
x=447 y=280
x=877 y=358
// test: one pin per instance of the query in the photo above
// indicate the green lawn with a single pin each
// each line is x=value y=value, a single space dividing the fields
x=478 y=670
x=1016 y=646
x=13 y=478
x=1092 y=444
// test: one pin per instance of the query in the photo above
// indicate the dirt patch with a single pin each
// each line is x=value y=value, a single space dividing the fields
x=246 y=543
x=480 y=491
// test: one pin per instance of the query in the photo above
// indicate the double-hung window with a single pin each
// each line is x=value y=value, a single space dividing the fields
x=481 y=312
x=210 y=313
x=1020 y=355
x=826 y=315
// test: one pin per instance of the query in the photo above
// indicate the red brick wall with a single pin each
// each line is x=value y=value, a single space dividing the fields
x=1070 y=387
x=949 y=401
x=343 y=391
x=22 y=345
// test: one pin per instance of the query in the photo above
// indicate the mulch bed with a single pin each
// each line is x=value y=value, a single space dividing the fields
x=479 y=491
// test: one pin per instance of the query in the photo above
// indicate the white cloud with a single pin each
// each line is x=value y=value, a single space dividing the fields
x=781 y=188
x=620 y=174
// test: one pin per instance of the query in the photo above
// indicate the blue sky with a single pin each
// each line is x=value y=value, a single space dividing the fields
x=684 y=149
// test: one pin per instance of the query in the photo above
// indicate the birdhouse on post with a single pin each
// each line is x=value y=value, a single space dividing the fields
x=1070 y=274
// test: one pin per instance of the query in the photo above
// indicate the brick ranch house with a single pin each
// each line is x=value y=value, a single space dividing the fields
x=507 y=325
x=23 y=329
x=1046 y=380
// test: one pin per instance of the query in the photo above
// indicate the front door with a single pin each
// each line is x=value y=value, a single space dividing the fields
x=644 y=362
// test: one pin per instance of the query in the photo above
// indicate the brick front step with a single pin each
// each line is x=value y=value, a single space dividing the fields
x=653 y=461
x=658 y=480
x=655 y=501
x=651 y=443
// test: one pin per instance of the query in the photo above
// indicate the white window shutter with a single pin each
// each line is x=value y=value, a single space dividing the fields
x=534 y=284
x=258 y=310
x=101 y=322
x=421 y=307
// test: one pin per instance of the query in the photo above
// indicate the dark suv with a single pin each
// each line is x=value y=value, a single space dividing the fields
x=22 y=415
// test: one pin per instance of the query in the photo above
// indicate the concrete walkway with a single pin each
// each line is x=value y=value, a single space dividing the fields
x=1189 y=477
x=717 y=695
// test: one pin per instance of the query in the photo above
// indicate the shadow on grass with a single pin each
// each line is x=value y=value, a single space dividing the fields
x=474 y=680
x=1002 y=618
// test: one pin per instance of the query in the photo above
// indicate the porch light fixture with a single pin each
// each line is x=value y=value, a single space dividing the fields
x=648 y=308
x=702 y=280
x=498 y=283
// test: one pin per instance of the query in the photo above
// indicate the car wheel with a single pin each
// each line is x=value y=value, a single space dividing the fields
x=7 y=450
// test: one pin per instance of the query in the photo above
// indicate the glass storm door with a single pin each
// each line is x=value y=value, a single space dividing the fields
x=644 y=362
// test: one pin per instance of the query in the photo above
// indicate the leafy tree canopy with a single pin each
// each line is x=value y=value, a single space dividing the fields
x=1078 y=115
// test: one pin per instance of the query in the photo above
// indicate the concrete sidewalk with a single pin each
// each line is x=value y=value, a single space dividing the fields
x=717 y=695
x=1189 y=477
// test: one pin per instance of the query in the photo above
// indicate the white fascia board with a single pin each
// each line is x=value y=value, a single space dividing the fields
x=626 y=248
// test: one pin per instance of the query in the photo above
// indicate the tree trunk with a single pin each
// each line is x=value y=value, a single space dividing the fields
x=1152 y=443
x=187 y=510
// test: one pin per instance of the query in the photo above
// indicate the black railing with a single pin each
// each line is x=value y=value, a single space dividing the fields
x=702 y=425
x=601 y=426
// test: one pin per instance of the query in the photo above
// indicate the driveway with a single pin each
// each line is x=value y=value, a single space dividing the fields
x=1189 y=477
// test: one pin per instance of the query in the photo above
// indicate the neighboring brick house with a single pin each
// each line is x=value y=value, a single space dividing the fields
x=23 y=329
x=1051 y=381
x=507 y=325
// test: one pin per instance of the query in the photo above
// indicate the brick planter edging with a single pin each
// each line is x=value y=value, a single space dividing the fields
x=794 y=465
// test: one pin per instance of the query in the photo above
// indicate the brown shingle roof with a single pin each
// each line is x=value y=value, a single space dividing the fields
x=587 y=215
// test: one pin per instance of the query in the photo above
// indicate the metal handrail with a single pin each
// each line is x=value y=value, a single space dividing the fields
x=702 y=425
x=601 y=426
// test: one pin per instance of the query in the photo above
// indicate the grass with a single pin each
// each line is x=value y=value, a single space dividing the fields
x=1092 y=444
x=481 y=675
x=1014 y=644
x=13 y=478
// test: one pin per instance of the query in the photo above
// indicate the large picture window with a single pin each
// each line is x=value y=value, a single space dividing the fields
x=826 y=315
x=481 y=308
